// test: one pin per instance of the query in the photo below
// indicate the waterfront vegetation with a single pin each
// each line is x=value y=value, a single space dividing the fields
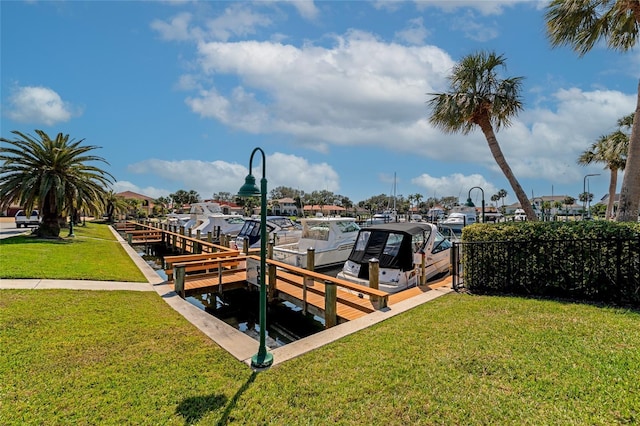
x=118 y=357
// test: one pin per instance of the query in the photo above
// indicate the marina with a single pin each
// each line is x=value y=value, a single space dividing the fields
x=217 y=273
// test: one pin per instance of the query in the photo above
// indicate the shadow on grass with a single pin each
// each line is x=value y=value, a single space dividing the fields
x=34 y=239
x=193 y=409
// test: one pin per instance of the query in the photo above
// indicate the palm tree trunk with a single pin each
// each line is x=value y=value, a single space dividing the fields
x=494 y=147
x=630 y=191
x=613 y=182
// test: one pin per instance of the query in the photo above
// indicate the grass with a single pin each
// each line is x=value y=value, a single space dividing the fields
x=127 y=358
x=94 y=254
x=116 y=357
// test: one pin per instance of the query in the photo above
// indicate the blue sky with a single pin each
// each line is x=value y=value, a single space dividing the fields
x=178 y=93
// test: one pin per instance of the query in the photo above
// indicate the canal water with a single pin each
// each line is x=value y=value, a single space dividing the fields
x=240 y=308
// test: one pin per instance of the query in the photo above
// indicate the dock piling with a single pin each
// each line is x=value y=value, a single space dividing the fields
x=330 y=304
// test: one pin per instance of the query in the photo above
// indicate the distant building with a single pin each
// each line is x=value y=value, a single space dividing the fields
x=537 y=202
x=147 y=202
x=284 y=207
x=325 y=210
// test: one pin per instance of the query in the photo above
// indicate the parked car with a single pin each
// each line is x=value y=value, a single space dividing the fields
x=23 y=220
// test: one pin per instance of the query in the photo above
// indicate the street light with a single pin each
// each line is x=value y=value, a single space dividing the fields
x=262 y=359
x=584 y=192
x=470 y=203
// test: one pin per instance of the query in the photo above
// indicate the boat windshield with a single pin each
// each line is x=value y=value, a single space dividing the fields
x=317 y=231
x=282 y=222
x=234 y=220
x=392 y=249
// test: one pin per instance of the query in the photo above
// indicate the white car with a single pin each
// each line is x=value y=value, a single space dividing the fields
x=23 y=220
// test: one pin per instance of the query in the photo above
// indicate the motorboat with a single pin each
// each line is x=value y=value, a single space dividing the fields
x=208 y=217
x=458 y=220
x=387 y=216
x=520 y=215
x=332 y=239
x=280 y=229
x=177 y=219
x=399 y=249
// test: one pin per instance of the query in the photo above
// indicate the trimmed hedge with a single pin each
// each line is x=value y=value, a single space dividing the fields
x=590 y=260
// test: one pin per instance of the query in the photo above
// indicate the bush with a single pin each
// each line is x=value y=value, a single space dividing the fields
x=592 y=260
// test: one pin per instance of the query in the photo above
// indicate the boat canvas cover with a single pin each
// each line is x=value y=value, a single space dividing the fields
x=401 y=257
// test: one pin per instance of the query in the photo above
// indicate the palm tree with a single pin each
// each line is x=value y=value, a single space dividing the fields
x=611 y=150
x=478 y=97
x=418 y=197
x=503 y=194
x=568 y=201
x=581 y=24
x=114 y=204
x=495 y=198
x=51 y=175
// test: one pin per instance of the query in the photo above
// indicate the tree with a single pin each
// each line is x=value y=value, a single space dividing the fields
x=115 y=204
x=478 y=97
x=611 y=150
x=181 y=197
x=568 y=201
x=495 y=198
x=580 y=25
x=53 y=175
x=222 y=196
x=418 y=197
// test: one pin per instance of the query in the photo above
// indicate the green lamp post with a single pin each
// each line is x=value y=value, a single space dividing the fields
x=470 y=203
x=262 y=359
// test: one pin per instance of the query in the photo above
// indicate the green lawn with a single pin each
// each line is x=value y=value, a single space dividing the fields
x=117 y=357
x=94 y=254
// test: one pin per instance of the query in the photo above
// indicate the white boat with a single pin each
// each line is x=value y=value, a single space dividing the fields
x=520 y=215
x=387 y=216
x=208 y=217
x=280 y=229
x=177 y=219
x=458 y=220
x=399 y=248
x=332 y=239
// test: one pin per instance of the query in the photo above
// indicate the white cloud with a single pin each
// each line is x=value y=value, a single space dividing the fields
x=456 y=184
x=237 y=20
x=176 y=29
x=38 y=105
x=306 y=8
x=219 y=176
x=359 y=89
x=415 y=33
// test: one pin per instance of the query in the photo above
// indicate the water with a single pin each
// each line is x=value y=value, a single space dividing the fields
x=240 y=309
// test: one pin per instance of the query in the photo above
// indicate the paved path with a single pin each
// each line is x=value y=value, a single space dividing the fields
x=238 y=344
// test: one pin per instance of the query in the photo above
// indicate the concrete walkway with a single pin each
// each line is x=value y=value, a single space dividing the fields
x=238 y=344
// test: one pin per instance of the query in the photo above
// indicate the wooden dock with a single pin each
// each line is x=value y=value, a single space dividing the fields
x=209 y=267
x=220 y=272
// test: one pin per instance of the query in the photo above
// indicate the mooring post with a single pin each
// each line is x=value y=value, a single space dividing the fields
x=210 y=236
x=245 y=246
x=311 y=259
x=179 y=281
x=129 y=238
x=374 y=273
x=271 y=270
x=423 y=268
x=330 y=304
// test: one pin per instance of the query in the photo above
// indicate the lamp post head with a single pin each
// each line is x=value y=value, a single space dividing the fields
x=469 y=203
x=249 y=189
